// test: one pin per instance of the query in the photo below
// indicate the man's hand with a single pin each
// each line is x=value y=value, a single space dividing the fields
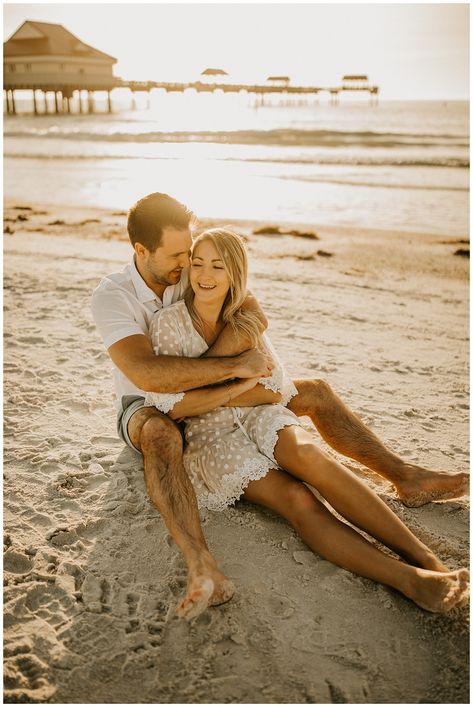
x=253 y=364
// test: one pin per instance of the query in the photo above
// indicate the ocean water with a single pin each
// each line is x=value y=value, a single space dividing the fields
x=396 y=165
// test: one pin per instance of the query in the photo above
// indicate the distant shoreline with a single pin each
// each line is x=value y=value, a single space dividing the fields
x=348 y=248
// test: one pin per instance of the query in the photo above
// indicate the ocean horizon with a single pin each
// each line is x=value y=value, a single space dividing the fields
x=397 y=165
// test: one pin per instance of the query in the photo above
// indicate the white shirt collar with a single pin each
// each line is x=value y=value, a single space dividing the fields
x=144 y=293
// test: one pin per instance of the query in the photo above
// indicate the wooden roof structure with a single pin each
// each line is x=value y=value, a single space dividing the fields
x=355 y=77
x=47 y=39
x=214 y=72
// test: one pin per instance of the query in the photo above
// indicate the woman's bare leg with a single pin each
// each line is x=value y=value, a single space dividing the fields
x=347 y=434
x=297 y=452
x=337 y=542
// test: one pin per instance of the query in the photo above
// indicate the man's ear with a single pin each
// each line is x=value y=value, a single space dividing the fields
x=140 y=250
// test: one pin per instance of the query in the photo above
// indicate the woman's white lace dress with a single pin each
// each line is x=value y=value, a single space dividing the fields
x=228 y=447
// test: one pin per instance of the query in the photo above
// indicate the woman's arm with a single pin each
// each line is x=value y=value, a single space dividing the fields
x=201 y=400
x=259 y=395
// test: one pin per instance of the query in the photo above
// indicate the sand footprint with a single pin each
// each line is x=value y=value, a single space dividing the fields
x=16 y=562
x=25 y=679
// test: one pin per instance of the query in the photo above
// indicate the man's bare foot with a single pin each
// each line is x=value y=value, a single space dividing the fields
x=197 y=599
x=208 y=587
x=422 y=486
x=437 y=591
x=222 y=593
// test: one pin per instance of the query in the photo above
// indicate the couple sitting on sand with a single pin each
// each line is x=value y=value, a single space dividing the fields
x=188 y=345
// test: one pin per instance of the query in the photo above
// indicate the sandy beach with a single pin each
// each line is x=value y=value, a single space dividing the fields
x=92 y=576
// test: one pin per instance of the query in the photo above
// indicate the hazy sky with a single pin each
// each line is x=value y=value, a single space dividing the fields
x=409 y=50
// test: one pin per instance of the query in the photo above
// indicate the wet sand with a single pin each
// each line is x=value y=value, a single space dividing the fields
x=92 y=576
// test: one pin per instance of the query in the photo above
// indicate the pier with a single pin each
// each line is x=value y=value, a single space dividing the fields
x=63 y=95
x=47 y=59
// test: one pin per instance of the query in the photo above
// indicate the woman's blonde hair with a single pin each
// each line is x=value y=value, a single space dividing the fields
x=232 y=251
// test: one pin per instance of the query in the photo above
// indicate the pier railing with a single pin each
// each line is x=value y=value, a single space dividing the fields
x=64 y=86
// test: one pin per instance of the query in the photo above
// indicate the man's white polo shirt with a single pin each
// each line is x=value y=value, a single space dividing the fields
x=123 y=305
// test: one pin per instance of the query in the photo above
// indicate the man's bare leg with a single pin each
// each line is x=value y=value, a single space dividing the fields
x=172 y=493
x=346 y=433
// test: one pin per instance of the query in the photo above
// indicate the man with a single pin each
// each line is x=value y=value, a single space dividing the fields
x=123 y=304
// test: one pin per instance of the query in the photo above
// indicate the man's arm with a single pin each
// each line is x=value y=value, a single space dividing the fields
x=230 y=344
x=135 y=358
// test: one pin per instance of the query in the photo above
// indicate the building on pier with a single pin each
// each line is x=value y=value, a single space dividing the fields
x=355 y=82
x=279 y=80
x=214 y=72
x=46 y=57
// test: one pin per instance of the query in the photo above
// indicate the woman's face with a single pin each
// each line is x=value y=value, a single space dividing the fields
x=208 y=278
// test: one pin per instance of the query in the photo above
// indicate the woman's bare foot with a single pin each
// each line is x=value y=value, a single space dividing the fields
x=437 y=591
x=420 y=486
x=430 y=562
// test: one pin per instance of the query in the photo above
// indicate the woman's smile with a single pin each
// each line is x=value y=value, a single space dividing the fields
x=208 y=276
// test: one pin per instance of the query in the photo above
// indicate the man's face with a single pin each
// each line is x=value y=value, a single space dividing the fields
x=165 y=265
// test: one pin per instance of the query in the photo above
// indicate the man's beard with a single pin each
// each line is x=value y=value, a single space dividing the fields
x=166 y=278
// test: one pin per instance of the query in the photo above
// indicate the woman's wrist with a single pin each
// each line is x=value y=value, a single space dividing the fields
x=228 y=391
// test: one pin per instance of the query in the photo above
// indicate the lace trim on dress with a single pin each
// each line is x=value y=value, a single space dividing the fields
x=288 y=392
x=278 y=384
x=274 y=382
x=271 y=437
x=163 y=401
x=233 y=485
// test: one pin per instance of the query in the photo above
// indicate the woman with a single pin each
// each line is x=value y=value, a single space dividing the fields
x=243 y=443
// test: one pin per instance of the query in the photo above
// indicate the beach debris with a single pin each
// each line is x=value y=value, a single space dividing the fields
x=464 y=252
x=9 y=230
x=22 y=217
x=267 y=231
x=23 y=208
x=302 y=234
x=459 y=241
x=86 y=221
x=324 y=254
x=308 y=256
x=272 y=230
x=58 y=222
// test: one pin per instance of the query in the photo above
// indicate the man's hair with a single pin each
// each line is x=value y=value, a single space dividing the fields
x=153 y=213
